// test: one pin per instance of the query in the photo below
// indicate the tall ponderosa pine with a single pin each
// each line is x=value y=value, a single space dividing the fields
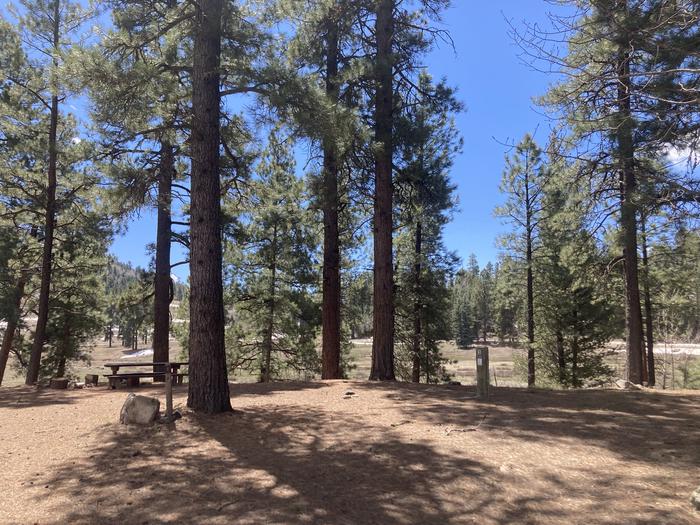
x=323 y=39
x=330 y=310
x=383 y=297
x=208 y=381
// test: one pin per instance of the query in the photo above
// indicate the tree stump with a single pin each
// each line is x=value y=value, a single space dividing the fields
x=59 y=383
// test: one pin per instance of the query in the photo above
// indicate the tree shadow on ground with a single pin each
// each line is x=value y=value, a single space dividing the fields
x=650 y=427
x=31 y=396
x=301 y=464
x=258 y=389
x=18 y=397
x=264 y=465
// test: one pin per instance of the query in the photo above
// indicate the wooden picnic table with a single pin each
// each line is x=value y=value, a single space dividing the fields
x=174 y=365
x=133 y=378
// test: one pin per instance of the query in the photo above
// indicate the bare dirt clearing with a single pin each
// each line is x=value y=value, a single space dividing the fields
x=308 y=453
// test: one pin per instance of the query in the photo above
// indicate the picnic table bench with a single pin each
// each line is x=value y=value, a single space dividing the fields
x=132 y=379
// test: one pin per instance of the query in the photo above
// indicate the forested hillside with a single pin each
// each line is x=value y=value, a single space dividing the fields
x=120 y=276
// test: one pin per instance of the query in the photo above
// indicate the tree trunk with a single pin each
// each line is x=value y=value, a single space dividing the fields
x=161 y=298
x=574 y=352
x=330 y=313
x=530 y=296
x=383 y=297
x=574 y=363
x=628 y=224
x=9 y=335
x=648 y=313
x=561 y=358
x=65 y=346
x=49 y=223
x=417 y=305
x=208 y=376
x=265 y=374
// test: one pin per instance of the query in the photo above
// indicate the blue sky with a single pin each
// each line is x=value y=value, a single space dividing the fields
x=497 y=90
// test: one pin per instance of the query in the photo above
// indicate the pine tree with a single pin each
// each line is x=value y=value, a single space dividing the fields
x=621 y=102
x=573 y=308
x=77 y=291
x=46 y=27
x=383 y=295
x=465 y=288
x=326 y=40
x=140 y=93
x=272 y=266
x=462 y=321
x=426 y=142
x=400 y=36
x=208 y=380
x=522 y=183
x=508 y=299
x=47 y=184
x=18 y=246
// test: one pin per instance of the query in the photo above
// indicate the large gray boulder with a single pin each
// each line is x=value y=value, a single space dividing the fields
x=139 y=410
x=695 y=499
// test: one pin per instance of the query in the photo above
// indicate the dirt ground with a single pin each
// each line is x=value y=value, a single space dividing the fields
x=307 y=453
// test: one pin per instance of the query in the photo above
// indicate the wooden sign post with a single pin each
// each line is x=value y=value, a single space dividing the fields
x=168 y=393
x=482 y=372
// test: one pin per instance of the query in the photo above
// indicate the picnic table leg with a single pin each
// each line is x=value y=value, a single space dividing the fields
x=174 y=370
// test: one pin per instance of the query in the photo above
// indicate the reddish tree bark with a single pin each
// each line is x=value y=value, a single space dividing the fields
x=383 y=298
x=330 y=314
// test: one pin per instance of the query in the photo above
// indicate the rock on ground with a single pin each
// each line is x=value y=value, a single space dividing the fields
x=695 y=499
x=139 y=410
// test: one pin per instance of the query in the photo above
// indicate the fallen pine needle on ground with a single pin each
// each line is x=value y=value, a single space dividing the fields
x=298 y=453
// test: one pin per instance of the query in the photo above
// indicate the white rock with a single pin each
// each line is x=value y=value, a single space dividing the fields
x=139 y=410
x=627 y=385
x=695 y=499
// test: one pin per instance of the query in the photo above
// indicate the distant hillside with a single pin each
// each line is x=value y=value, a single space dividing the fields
x=121 y=275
